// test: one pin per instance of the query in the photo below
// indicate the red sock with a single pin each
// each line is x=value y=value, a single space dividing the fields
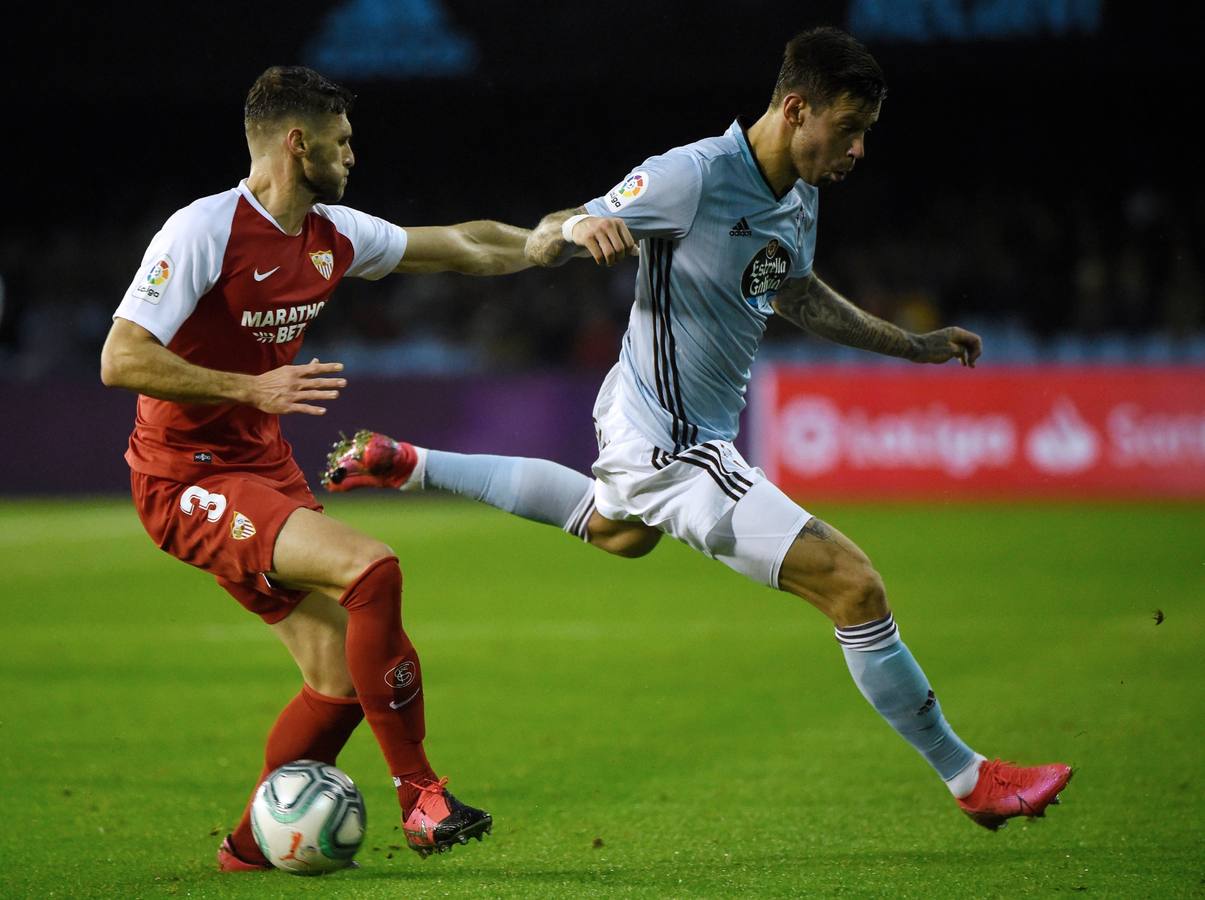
x=312 y=726
x=385 y=670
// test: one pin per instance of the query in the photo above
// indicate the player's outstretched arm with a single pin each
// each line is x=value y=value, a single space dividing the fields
x=471 y=248
x=605 y=239
x=134 y=359
x=814 y=306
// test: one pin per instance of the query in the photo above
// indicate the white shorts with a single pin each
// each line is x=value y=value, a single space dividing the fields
x=706 y=496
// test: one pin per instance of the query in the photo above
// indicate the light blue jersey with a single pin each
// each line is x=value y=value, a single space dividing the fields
x=716 y=244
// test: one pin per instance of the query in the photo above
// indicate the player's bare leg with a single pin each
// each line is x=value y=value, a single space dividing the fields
x=316 y=553
x=315 y=634
x=832 y=573
x=621 y=538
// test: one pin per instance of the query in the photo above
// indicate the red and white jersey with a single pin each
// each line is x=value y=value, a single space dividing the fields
x=224 y=287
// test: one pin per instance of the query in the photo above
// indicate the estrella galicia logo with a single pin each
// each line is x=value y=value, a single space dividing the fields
x=766 y=271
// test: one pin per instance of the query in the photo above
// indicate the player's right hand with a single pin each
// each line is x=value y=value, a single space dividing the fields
x=294 y=389
x=607 y=240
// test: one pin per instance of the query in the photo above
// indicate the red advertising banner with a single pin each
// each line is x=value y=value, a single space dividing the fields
x=1026 y=432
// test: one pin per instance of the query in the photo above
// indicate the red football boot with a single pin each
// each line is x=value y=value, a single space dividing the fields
x=1005 y=790
x=439 y=821
x=229 y=861
x=371 y=460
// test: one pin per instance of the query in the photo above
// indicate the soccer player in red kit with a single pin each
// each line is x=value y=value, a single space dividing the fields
x=206 y=335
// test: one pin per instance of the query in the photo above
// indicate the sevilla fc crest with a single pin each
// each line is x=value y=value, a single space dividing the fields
x=324 y=262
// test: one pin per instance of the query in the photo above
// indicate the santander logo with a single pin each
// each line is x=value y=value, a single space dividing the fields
x=1062 y=443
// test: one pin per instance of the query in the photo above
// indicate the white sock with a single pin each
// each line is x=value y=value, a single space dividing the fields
x=964 y=782
x=419 y=475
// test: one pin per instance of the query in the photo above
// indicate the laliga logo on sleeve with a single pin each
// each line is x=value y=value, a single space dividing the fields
x=157 y=276
x=628 y=190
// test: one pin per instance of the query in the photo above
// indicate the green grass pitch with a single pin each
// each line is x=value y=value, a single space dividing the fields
x=655 y=728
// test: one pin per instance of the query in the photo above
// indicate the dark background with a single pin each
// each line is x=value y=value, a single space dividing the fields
x=1043 y=187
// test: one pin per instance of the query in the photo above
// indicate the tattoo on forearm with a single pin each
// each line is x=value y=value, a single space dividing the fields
x=816 y=307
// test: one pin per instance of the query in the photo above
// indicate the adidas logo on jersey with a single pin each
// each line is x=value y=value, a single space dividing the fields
x=741 y=229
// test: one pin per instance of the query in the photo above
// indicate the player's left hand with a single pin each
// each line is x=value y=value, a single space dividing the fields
x=606 y=239
x=947 y=343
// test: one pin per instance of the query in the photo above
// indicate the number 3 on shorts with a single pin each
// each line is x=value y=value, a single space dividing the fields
x=198 y=498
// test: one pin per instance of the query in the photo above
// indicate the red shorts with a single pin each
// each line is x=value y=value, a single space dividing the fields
x=227 y=524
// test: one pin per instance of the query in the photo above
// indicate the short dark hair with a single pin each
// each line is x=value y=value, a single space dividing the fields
x=294 y=90
x=824 y=63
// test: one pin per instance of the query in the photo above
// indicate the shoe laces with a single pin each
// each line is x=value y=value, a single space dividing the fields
x=1005 y=774
x=429 y=786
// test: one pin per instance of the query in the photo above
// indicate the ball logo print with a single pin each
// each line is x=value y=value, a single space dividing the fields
x=295 y=842
x=197 y=497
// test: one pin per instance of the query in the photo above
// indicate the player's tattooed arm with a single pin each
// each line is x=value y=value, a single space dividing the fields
x=470 y=248
x=133 y=358
x=814 y=306
x=607 y=240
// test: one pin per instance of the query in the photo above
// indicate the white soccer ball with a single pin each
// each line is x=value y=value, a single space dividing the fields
x=308 y=818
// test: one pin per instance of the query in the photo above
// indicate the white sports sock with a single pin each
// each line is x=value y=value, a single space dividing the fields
x=419 y=475
x=964 y=782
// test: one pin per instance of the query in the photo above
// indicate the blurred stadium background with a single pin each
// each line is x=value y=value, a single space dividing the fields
x=1030 y=178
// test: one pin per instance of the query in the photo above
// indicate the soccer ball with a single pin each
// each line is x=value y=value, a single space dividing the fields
x=308 y=818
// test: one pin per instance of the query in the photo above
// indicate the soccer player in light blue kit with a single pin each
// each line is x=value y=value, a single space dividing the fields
x=726 y=230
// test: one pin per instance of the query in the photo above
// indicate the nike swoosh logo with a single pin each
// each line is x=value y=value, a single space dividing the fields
x=259 y=277
x=393 y=704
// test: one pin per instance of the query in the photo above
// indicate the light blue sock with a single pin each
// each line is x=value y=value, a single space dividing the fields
x=535 y=489
x=891 y=680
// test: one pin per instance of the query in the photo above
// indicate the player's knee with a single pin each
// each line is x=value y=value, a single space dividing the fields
x=863 y=598
x=365 y=555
